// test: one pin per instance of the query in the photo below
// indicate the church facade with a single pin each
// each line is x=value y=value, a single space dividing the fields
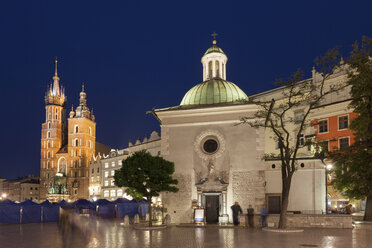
x=218 y=162
x=66 y=148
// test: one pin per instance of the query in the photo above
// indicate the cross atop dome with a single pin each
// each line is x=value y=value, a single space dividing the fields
x=214 y=35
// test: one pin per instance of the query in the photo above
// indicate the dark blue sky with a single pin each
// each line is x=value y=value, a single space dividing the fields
x=137 y=55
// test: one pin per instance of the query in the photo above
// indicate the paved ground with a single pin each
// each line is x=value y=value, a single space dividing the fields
x=111 y=234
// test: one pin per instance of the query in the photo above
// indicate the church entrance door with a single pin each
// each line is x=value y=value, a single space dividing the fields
x=212 y=203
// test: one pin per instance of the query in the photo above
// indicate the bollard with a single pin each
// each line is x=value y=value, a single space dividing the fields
x=167 y=220
x=136 y=219
x=126 y=221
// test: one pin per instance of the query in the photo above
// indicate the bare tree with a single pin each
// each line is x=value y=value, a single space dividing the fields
x=277 y=116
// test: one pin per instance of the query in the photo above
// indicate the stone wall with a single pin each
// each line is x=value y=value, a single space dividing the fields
x=179 y=204
x=303 y=220
x=249 y=188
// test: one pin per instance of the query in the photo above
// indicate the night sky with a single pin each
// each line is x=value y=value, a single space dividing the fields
x=137 y=55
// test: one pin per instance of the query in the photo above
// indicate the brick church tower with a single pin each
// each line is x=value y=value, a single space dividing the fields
x=66 y=150
x=53 y=133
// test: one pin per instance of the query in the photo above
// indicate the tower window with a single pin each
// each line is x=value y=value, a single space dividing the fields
x=76 y=142
x=210 y=69
x=90 y=131
x=49 y=125
x=76 y=128
x=48 y=134
x=48 y=164
x=48 y=144
x=217 y=64
x=48 y=156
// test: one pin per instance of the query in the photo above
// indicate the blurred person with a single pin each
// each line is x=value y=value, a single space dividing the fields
x=236 y=209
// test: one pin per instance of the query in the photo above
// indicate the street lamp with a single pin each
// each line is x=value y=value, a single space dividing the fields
x=4 y=195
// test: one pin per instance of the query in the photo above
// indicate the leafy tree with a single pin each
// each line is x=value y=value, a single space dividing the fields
x=277 y=116
x=146 y=175
x=353 y=166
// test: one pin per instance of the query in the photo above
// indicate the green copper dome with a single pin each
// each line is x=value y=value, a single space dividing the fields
x=214 y=49
x=214 y=91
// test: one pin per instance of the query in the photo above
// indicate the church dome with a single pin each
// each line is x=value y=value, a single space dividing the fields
x=214 y=91
x=214 y=49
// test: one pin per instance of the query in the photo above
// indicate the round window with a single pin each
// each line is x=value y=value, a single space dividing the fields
x=210 y=146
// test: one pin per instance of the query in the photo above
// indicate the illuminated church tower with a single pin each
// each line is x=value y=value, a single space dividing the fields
x=53 y=133
x=81 y=147
x=66 y=150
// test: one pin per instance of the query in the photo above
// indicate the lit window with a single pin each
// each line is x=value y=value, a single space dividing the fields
x=344 y=143
x=343 y=122
x=112 y=173
x=106 y=165
x=323 y=126
x=113 y=164
x=113 y=193
x=106 y=193
x=106 y=183
x=120 y=192
x=90 y=131
x=106 y=173
x=120 y=162
x=112 y=183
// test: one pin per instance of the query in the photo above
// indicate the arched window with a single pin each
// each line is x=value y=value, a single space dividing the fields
x=48 y=164
x=210 y=69
x=48 y=155
x=76 y=129
x=89 y=144
x=48 y=144
x=62 y=165
x=90 y=131
x=217 y=64
x=48 y=134
x=223 y=70
x=76 y=142
x=56 y=114
x=49 y=125
x=49 y=113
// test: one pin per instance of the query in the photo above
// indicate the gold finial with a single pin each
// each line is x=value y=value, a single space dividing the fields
x=214 y=35
x=72 y=107
x=342 y=60
x=313 y=68
x=82 y=87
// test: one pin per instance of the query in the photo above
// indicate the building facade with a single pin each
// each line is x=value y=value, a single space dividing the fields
x=103 y=167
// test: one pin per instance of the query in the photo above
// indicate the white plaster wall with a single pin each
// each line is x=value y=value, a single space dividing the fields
x=307 y=191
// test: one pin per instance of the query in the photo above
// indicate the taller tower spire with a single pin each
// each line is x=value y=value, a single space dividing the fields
x=55 y=93
x=56 y=89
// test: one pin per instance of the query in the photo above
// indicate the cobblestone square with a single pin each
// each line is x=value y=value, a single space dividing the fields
x=110 y=234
